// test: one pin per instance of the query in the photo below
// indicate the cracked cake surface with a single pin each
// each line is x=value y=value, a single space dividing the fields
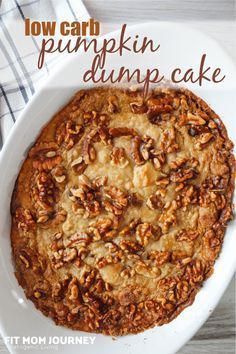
x=120 y=208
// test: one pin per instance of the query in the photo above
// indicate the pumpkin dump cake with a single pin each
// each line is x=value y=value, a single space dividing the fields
x=120 y=209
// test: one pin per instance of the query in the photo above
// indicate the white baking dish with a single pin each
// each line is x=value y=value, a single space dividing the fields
x=180 y=46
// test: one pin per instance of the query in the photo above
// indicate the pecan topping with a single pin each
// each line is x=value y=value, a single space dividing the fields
x=24 y=219
x=117 y=200
x=193 y=119
x=178 y=163
x=87 y=196
x=122 y=131
x=130 y=246
x=144 y=232
x=154 y=202
x=44 y=156
x=78 y=165
x=160 y=258
x=113 y=104
x=182 y=175
x=159 y=105
x=138 y=107
x=43 y=148
x=187 y=235
x=88 y=150
x=59 y=174
x=168 y=143
x=68 y=133
x=118 y=157
x=135 y=150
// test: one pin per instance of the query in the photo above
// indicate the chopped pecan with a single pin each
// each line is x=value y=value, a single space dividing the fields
x=111 y=259
x=212 y=243
x=154 y=202
x=93 y=208
x=104 y=226
x=88 y=150
x=78 y=165
x=160 y=105
x=24 y=219
x=130 y=246
x=68 y=133
x=144 y=232
x=168 y=143
x=197 y=130
x=187 y=235
x=178 y=163
x=189 y=194
x=59 y=174
x=100 y=181
x=122 y=131
x=146 y=270
x=42 y=148
x=138 y=107
x=113 y=104
x=131 y=228
x=203 y=140
x=135 y=150
x=163 y=182
x=159 y=257
x=193 y=119
x=117 y=202
x=118 y=157
x=182 y=175
x=46 y=162
x=168 y=218
x=197 y=271
x=95 y=118
x=85 y=183
x=103 y=133
x=87 y=197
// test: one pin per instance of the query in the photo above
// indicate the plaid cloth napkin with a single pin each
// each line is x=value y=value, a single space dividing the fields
x=19 y=76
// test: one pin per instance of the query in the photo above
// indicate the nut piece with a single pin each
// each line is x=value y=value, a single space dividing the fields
x=122 y=131
x=24 y=219
x=118 y=157
x=153 y=202
x=88 y=150
x=78 y=165
x=168 y=143
x=144 y=232
x=117 y=201
x=194 y=120
x=135 y=150
x=138 y=107
x=113 y=105
x=160 y=105
x=182 y=175
x=68 y=133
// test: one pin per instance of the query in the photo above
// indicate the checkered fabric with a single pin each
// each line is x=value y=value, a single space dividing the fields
x=19 y=76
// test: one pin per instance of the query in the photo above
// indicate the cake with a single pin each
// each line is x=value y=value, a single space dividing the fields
x=119 y=210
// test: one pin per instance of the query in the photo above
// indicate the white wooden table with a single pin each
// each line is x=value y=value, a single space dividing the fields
x=216 y=18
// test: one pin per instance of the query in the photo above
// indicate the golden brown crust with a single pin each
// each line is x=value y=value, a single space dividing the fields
x=120 y=209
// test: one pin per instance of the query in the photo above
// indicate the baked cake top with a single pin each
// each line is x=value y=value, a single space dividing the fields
x=120 y=208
